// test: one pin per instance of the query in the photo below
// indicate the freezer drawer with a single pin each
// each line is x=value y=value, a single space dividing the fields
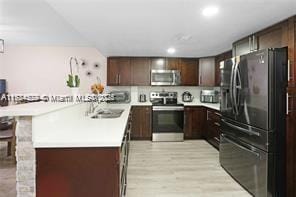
x=249 y=166
x=258 y=138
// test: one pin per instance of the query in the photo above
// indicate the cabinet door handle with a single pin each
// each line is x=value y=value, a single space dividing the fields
x=254 y=43
x=287 y=112
x=217 y=124
x=218 y=114
x=250 y=43
x=289 y=70
x=118 y=78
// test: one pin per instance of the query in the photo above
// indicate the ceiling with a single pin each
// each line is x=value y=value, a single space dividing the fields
x=138 y=27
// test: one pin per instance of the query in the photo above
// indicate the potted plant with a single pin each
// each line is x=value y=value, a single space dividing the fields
x=73 y=81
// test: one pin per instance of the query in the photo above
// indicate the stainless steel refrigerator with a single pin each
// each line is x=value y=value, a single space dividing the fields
x=253 y=108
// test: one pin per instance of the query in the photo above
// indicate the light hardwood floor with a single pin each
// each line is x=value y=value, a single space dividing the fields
x=7 y=173
x=178 y=169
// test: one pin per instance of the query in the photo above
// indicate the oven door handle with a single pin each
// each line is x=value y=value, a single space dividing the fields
x=168 y=108
x=240 y=146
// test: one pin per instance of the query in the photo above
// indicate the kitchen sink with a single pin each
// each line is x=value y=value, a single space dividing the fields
x=108 y=113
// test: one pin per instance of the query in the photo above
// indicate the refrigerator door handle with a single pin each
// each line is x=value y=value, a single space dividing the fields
x=231 y=85
x=237 y=88
x=234 y=87
x=240 y=146
x=241 y=129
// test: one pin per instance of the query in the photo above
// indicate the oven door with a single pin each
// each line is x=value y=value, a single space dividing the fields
x=249 y=166
x=168 y=119
x=165 y=77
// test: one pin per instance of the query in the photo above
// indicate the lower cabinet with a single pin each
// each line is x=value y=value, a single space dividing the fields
x=213 y=119
x=194 y=122
x=141 y=123
x=78 y=172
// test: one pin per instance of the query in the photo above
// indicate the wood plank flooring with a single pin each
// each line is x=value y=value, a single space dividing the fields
x=166 y=169
x=7 y=173
x=178 y=169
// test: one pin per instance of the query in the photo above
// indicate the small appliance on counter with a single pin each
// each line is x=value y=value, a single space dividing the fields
x=119 y=97
x=209 y=96
x=142 y=98
x=187 y=97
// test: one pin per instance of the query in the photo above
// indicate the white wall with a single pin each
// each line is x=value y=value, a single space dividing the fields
x=1 y=66
x=43 y=70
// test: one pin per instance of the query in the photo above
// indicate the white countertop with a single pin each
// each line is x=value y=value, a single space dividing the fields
x=195 y=102
x=32 y=109
x=39 y=108
x=65 y=124
x=71 y=128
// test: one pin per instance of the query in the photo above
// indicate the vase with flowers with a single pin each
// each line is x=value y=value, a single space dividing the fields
x=73 y=81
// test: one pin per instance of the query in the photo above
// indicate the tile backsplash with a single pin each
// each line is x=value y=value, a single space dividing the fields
x=137 y=90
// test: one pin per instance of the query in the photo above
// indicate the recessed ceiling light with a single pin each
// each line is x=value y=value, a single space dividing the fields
x=160 y=62
x=210 y=11
x=171 y=50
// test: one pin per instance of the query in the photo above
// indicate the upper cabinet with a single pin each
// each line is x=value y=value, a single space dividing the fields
x=119 y=71
x=189 y=71
x=292 y=52
x=140 y=71
x=173 y=63
x=273 y=37
x=158 y=63
x=161 y=63
x=276 y=36
x=219 y=58
x=244 y=46
x=207 y=72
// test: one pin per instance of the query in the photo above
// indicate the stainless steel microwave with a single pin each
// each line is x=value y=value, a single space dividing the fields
x=165 y=77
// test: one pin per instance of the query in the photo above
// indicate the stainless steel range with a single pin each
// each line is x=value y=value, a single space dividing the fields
x=167 y=117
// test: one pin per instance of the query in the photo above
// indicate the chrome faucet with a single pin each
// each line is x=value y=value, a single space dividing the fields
x=91 y=108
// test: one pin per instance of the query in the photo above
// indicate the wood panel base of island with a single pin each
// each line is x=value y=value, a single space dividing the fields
x=86 y=171
x=77 y=172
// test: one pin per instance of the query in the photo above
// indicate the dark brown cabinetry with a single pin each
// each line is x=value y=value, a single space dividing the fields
x=207 y=72
x=244 y=46
x=213 y=127
x=194 y=122
x=291 y=139
x=61 y=172
x=141 y=123
x=173 y=63
x=273 y=37
x=119 y=72
x=189 y=71
x=219 y=58
x=292 y=52
x=140 y=71
x=124 y=71
x=158 y=63
x=161 y=63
